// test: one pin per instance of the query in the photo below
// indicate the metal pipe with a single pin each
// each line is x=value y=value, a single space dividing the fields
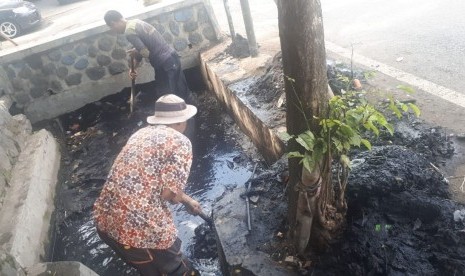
x=230 y=21
x=247 y=202
x=247 y=15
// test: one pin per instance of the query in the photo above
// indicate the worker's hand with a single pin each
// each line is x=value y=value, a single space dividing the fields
x=132 y=52
x=133 y=74
x=192 y=206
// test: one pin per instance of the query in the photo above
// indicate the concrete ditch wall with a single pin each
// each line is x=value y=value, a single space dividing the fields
x=29 y=164
x=220 y=77
x=68 y=72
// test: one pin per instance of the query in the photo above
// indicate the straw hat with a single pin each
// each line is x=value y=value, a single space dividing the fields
x=171 y=109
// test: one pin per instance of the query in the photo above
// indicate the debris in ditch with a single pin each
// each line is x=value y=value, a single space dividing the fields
x=239 y=48
x=254 y=199
x=291 y=260
x=204 y=246
x=459 y=215
x=356 y=85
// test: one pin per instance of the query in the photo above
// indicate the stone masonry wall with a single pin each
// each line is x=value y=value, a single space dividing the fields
x=84 y=64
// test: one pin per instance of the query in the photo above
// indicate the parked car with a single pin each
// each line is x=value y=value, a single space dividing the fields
x=17 y=16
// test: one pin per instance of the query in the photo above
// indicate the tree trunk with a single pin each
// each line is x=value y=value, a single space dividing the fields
x=304 y=61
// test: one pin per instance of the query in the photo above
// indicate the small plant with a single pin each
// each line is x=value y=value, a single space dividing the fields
x=349 y=123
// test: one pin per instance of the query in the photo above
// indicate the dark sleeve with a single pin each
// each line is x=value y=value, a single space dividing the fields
x=135 y=41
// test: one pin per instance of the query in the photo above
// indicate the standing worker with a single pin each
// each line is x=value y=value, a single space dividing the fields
x=131 y=213
x=148 y=43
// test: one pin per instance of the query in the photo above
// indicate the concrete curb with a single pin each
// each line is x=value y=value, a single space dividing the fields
x=60 y=268
x=29 y=202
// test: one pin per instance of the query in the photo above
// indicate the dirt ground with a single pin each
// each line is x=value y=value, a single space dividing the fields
x=401 y=217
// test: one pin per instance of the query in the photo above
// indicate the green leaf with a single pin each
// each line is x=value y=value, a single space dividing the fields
x=369 y=74
x=345 y=161
x=308 y=138
x=337 y=144
x=285 y=136
x=346 y=145
x=396 y=111
x=319 y=149
x=356 y=140
x=304 y=144
x=308 y=163
x=389 y=128
x=366 y=143
x=415 y=109
x=369 y=126
x=404 y=107
x=295 y=154
x=406 y=88
x=346 y=130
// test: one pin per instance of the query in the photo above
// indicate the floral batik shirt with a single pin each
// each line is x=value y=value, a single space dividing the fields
x=130 y=208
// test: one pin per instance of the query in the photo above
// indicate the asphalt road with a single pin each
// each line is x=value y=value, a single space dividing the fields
x=428 y=35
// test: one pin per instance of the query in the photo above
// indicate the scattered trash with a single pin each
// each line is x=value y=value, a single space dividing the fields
x=291 y=260
x=254 y=199
x=307 y=264
x=230 y=164
x=356 y=84
x=281 y=100
x=379 y=227
x=74 y=127
x=139 y=123
x=356 y=162
x=115 y=133
x=399 y=59
x=417 y=224
x=280 y=235
x=459 y=215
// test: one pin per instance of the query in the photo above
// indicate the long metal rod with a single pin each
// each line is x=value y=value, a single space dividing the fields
x=248 y=22
x=230 y=21
x=247 y=203
x=133 y=87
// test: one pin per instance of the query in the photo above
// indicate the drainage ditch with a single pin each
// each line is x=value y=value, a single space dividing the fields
x=90 y=139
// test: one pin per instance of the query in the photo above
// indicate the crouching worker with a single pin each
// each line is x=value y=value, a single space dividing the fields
x=148 y=43
x=131 y=214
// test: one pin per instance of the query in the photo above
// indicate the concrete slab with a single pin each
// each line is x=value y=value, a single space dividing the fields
x=236 y=257
x=28 y=205
x=60 y=268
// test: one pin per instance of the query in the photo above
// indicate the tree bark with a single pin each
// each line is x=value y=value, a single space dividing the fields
x=304 y=61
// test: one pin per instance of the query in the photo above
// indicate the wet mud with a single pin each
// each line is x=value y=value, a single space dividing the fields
x=92 y=137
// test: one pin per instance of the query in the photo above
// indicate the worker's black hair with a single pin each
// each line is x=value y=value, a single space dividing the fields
x=112 y=16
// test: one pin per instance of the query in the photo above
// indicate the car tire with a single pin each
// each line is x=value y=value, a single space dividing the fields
x=10 y=28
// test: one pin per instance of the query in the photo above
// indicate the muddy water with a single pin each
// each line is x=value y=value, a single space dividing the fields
x=94 y=136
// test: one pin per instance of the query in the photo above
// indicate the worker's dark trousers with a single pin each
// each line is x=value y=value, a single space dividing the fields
x=170 y=79
x=152 y=262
